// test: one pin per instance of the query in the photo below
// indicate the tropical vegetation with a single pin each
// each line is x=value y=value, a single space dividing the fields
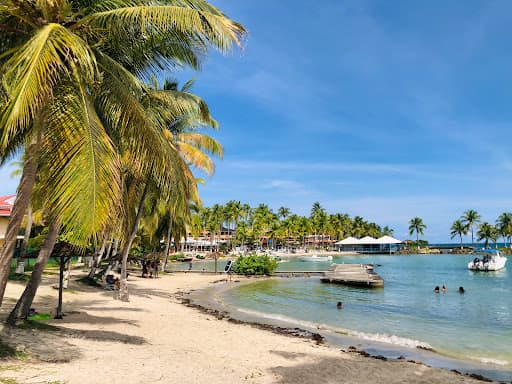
x=255 y=265
x=98 y=135
x=263 y=227
x=416 y=225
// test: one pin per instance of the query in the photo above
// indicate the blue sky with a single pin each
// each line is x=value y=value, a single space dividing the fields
x=386 y=110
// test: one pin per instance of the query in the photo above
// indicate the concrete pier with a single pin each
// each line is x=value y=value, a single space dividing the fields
x=360 y=275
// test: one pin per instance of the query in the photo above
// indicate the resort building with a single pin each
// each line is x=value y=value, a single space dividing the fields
x=6 y=203
x=367 y=244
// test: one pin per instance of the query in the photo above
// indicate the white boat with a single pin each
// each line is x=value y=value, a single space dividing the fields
x=487 y=260
x=315 y=258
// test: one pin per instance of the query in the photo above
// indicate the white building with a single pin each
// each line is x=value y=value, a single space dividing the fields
x=384 y=244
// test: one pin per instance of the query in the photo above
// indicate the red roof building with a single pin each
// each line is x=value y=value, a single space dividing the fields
x=6 y=203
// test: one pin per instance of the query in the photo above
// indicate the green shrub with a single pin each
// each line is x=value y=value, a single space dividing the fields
x=254 y=265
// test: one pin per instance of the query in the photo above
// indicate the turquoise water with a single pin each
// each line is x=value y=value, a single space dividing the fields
x=475 y=326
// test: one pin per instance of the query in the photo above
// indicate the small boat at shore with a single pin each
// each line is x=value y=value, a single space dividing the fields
x=315 y=258
x=487 y=260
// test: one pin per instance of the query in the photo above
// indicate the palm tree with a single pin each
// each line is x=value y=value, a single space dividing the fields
x=283 y=212
x=386 y=231
x=470 y=218
x=318 y=219
x=504 y=226
x=416 y=225
x=68 y=73
x=458 y=229
x=487 y=232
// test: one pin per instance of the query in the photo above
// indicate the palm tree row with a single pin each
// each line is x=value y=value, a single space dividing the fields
x=103 y=148
x=248 y=224
x=471 y=220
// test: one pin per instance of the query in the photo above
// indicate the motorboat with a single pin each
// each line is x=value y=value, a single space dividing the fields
x=315 y=258
x=487 y=260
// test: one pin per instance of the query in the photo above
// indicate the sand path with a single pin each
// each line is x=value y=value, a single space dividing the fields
x=156 y=339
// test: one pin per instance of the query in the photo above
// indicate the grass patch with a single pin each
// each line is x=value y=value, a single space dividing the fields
x=32 y=324
x=41 y=317
x=13 y=276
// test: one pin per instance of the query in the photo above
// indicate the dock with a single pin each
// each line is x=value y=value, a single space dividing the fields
x=359 y=275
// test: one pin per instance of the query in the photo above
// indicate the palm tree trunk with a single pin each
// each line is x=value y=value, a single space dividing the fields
x=98 y=256
x=461 y=246
x=167 y=244
x=22 y=307
x=123 y=292
x=23 y=251
x=21 y=204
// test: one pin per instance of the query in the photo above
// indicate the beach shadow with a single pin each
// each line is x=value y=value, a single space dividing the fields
x=329 y=370
x=47 y=346
x=75 y=317
x=148 y=292
x=122 y=309
x=363 y=371
x=289 y=355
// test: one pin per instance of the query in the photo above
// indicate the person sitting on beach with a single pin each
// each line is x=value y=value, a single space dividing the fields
x=443 y=288
x=109 y=282
x=461 y=290
x=436 y=289
x=339 y=305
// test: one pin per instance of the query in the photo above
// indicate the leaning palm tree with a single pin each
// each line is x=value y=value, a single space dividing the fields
x=458 y=229
x=487 y=232
x=470 y=218
x=416 y=225
x=68 y=71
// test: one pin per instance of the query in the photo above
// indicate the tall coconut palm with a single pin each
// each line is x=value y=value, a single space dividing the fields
x=416 y=225
x=487 y=232
x=504 y=226
x=459 y=228
x=67 y=71
x=470 y=218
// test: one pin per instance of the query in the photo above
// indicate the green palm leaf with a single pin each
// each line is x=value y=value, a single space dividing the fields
x=34 y=71
x=82 y=167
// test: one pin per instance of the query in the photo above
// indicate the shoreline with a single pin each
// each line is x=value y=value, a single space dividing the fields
x=157 y=338
x=201 y=301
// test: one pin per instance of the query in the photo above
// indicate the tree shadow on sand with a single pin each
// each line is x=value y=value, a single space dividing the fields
x=362 y=370
x=51 y=342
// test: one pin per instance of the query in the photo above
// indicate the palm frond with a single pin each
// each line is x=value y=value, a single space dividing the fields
x=204 y=27
x=202 y=142
x=34 y=71
x=197 y=158
x=81 y=166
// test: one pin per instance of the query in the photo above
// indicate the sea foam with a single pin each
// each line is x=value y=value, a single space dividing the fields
x=381 y=338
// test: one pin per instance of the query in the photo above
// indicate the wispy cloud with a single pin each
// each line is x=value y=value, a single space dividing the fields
x=322 y=167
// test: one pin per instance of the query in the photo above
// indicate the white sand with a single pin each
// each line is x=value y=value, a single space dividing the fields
x=155 y=339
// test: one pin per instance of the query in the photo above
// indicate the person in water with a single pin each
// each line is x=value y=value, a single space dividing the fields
x=339 y=305
x=461 y=290
x=443 y=288
x=436 y=289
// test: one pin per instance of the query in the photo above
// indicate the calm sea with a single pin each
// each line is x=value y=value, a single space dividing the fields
x=469 y=332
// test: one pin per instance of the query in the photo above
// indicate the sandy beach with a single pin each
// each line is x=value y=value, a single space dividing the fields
x=155 y=338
